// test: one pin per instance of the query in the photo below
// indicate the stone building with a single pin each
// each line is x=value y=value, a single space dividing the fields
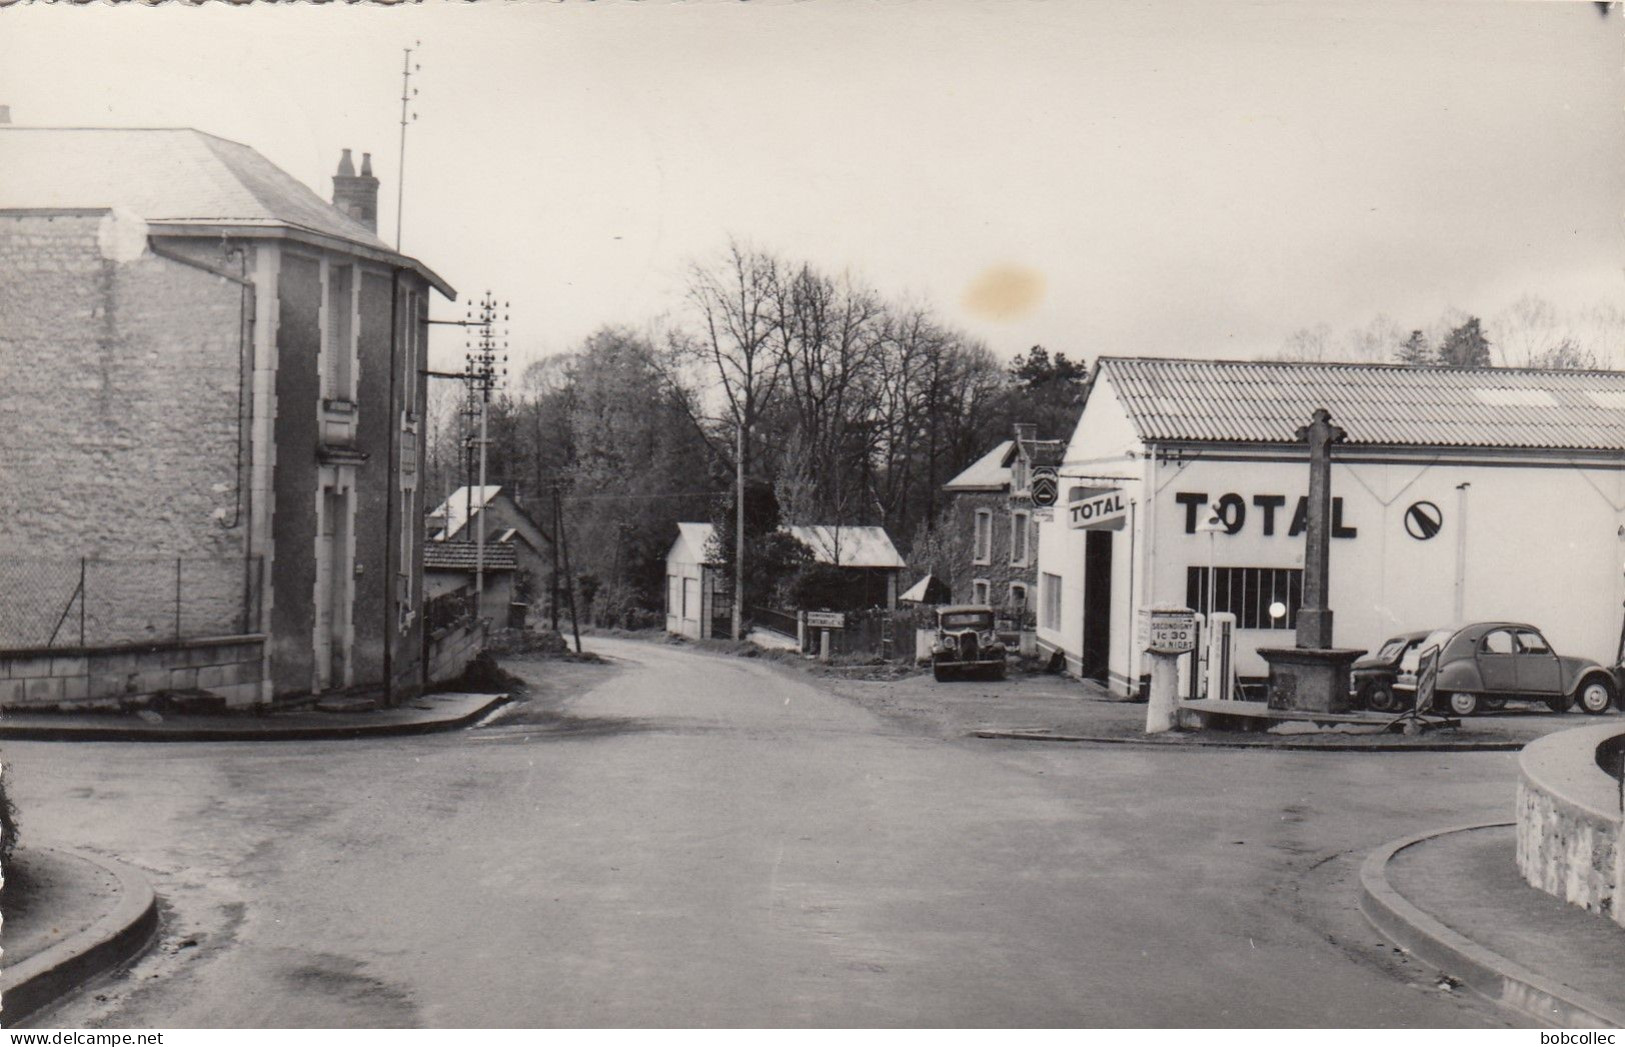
x=514 y=543
x=992 y=532
x=211 y=405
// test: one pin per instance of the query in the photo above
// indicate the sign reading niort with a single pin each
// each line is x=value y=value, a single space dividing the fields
x=1096 y=507
x=1172 y=632
x=826 y=620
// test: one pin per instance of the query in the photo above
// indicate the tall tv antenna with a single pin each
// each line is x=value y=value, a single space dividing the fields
x=408 y=92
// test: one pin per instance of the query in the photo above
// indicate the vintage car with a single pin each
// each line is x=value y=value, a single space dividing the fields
x=1372 y=678
x=966 y=643
x=1487 y=664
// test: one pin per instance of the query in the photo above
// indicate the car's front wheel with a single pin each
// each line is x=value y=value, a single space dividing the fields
x=939 y=673
x=1595 y=695
x=1379 y=697
x=1462 y=703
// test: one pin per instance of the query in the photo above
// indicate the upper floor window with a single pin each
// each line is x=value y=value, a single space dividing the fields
x=1020 y=532
x=982 y=547
x=338 y=345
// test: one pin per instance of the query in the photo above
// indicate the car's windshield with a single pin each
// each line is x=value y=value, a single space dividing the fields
x=967 y=620
x=1413 y=657
x=1391 y=649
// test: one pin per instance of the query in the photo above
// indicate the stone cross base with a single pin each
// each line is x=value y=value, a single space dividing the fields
x=1315 y=679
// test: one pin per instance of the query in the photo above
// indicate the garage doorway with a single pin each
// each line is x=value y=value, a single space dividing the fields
x=1097 y=605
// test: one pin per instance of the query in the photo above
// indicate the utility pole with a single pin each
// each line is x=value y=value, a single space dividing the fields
x=408 y=92
x=739 y=530
x=486 y=366
x=558 y=536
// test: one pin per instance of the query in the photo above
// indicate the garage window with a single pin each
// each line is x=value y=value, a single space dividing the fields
x=1247 y=593
x=1049 y=593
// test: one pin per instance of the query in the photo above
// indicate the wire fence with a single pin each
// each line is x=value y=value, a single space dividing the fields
x=101 y=602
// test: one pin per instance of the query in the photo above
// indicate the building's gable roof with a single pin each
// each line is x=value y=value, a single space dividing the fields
x=1044 y=452
x=693 y=541
x=991 y=472
x=840 y=546
x=450 y=516
x=1384 y=405
x=848 y=546
x=169 y=177
x=462 y=556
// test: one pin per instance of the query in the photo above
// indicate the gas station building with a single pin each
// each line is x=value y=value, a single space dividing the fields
x=1459 y=494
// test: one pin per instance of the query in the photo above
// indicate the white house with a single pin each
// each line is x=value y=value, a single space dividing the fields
x=1459 y=495
x=699 y=602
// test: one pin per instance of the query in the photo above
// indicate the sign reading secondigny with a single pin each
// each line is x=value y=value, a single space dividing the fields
x=1095 y=507
x=1172 y=632
x=826 y=620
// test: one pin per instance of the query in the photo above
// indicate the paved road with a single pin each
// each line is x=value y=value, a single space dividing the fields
x=700 y=840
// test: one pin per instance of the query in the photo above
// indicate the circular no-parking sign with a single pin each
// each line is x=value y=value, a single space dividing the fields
x=1423 y=520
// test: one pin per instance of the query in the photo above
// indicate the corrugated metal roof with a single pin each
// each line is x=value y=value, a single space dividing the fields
x=1258 y=402
x=461 y=556
x=856 y=546
x=849 y=546
x=987 y=473
x=173 y=175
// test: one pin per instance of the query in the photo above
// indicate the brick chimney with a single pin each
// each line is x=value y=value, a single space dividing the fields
x=1026 y=432
x=357 y=194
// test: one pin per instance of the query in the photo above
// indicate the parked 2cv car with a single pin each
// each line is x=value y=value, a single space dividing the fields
x=966 y=643
x=1489 y=663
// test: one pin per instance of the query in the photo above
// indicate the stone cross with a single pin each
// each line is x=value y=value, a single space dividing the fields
x=1315 y=616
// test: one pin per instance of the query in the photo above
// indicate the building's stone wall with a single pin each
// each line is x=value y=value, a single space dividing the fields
x=452 y=649
x=999 y=572
x=121 y=678
x=120 y=386
x=1567 y=834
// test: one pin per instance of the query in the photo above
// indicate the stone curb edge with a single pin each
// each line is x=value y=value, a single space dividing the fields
x=117 y=936
x=1331 y=747
x=1488 y=973
x=36 y=733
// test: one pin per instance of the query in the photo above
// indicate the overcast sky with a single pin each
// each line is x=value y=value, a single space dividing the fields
x=1191 y=179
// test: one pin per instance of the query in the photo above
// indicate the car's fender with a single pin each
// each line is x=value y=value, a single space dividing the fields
x=1459 y=675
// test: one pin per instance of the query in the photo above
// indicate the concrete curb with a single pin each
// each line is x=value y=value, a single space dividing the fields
x=117 y=936
x=264 y=732
x=1490 y=974
x=1196 y=740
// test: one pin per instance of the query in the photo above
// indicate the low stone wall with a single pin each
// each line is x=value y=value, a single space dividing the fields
x=451 y=649
x=1569 y=820
x=95 y=678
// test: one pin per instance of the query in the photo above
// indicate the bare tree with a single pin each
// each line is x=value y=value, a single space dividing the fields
x=734 y=302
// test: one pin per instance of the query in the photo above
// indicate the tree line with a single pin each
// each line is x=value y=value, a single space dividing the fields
x=842 y=405
x=1531 y=332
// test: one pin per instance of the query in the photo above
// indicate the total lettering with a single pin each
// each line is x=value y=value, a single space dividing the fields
x=1232 y=513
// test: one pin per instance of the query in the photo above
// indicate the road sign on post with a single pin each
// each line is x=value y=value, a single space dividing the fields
x=1044 y=487
x=1427 y=679
x=1172 y=632
x=826 y=620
